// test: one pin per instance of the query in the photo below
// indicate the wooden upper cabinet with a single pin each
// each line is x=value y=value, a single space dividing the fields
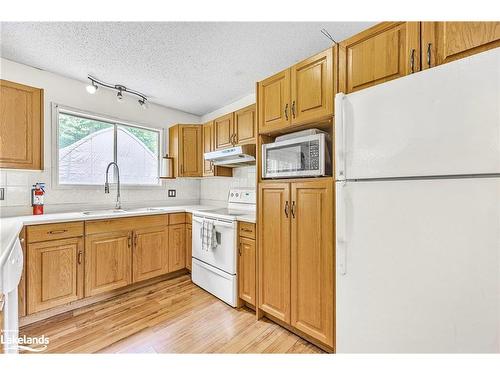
x=245 y=125
x=208 y=146
x=273 y=96
x=21 y=126
x=185 y=146
x=443 y=42
x=312 y=88
x=312 y=259
x=176 y=247
x=381 y=53
x=224 y=131
x=247 y=270
x=190 y=149
x=108 y=260
x=150 y=253
x=274 y=249
x=54 y=273
x=209 y=169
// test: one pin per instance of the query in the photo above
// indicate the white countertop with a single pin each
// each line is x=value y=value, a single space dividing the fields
x=10 y=227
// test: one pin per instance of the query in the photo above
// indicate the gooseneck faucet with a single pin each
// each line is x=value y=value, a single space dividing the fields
x=118 y=204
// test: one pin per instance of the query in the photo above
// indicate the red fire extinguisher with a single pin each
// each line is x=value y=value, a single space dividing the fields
x=37 y=198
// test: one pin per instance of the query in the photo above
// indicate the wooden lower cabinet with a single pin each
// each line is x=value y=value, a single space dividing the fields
x=108 y=260
x=274 y=249
x=54 y=273
x=296 y=255
x=247 y=270
x=150 y=253
x=312 y=272
x=189 y=246
x=176 y=247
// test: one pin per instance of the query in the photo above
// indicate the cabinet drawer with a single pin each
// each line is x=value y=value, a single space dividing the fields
x=177 y=218
x=44 y=232
x=124 y=224
x=247 y=230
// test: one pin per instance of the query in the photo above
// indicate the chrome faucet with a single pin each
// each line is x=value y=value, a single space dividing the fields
x=118 y=204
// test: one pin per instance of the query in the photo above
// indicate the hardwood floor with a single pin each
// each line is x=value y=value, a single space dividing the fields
x=173 y=316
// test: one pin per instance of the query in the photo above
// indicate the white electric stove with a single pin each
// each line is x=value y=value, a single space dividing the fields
x=216 y=270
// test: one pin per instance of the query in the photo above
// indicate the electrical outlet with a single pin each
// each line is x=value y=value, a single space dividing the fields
x=171 y=193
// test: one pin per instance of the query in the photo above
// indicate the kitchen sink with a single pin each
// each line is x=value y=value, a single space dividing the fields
x=104 y=212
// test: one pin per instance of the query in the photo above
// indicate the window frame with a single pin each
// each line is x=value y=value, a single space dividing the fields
x=58 y=108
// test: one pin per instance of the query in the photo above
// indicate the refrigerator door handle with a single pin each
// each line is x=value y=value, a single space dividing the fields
x=341 y=228
x=340 y=162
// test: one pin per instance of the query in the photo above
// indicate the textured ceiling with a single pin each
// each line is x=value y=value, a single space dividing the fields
x=195 y=67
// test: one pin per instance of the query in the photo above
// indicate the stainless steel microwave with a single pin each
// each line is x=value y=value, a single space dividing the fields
x=302 y=156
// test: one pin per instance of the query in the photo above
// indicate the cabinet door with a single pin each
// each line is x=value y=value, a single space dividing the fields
x=54 y=274
x=246 y=270
x=189 y=246
x=176 y=247
x=208 y=146
x=21 y=126
x=107 y=262
x=150 y=253
x=245 y=126
x=312 y=88
x=312 y=252
x=382 y=53
x=274 y=102
x=274 y=249
x=224 y=131
x=190 y=149
x=443 y=42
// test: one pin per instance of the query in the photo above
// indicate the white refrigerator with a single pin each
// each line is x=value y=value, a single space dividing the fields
x=418 y=212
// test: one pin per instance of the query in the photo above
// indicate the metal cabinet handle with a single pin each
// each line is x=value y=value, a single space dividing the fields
x=182 y=168
x=57 y=231
x=246 y=230
x=286 y=111
x=135 y=240
x=80 y=254
x=287 y=208
x=412 y=60
x=293 y=209
x=429 y=51
x=293 y=109
x=129 y=241
x=212 y=166
x=239 y=249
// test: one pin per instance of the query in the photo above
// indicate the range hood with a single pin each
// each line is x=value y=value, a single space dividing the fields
x=232 y=157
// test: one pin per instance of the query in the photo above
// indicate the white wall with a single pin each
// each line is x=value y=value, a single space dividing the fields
x=69 y=92
x=214 y=190
x=234 y=106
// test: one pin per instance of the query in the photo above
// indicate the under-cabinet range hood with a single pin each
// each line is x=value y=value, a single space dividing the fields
x=232 y=157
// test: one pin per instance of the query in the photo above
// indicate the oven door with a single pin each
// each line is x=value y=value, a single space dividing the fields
x=299 y=157
x=223 y=256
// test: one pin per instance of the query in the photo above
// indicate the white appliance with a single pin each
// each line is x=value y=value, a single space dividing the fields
x=10 y=275
x=418 y=212
x=216 y=270
x=299 y=156
x=232 y=157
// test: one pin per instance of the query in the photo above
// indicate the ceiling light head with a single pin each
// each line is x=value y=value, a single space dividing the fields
x=92 y=88
x=119 y=96
x=143 y=103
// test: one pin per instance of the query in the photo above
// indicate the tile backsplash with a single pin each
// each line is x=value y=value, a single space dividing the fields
x=18 y=185
x=215 y=190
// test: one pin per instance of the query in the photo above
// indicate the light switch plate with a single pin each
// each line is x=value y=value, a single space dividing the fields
x=171 y=193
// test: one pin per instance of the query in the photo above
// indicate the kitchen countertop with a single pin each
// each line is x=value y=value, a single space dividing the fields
x=10 y=227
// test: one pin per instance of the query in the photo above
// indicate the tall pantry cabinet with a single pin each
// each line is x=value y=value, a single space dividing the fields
x=296 y=255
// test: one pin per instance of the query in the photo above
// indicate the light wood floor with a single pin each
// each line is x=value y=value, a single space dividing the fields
x=173 y=316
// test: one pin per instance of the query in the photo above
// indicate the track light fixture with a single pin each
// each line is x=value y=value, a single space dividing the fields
x=94 y=85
